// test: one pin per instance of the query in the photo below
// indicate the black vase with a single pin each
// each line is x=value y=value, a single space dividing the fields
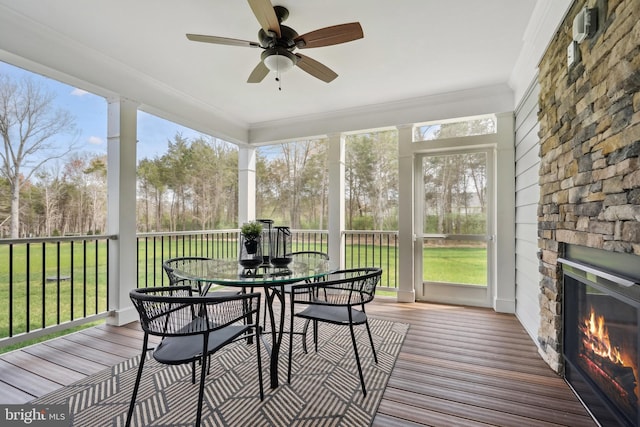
x=250 y=255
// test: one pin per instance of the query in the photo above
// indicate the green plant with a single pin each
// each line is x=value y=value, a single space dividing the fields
x=251 y=230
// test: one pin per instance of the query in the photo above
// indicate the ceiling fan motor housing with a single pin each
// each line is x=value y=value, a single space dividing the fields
x=271 y=40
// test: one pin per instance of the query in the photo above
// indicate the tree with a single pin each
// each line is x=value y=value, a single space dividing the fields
x=51 y=188
x=96 y=179
x=152 y=188
x=371 y=175
x=179 y=165
x=29 y=122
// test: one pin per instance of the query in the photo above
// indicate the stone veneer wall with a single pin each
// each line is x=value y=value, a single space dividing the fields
x=589 y=147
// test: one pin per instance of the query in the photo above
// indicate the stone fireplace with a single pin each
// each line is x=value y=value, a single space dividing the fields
x=601 y=333
x=589 y=133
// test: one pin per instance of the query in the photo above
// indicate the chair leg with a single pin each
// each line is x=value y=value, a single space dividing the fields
x=259 y=363
x=203 y=374
x=264 y=318
x=291 y=316
x=315 y=334
x=304 y=335
x=373 y=349
x=248 y=320
x=138 y=377
x=355 y=350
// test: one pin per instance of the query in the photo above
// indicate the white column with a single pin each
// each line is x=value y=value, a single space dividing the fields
x=406 y=289
x=121 y=207
x=246 y=184
x=336 y=164
x=504 y=263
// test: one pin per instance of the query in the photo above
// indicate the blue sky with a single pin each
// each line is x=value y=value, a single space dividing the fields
x=90 y=116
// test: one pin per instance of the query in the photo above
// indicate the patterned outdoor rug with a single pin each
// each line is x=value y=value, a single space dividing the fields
x=324 y=390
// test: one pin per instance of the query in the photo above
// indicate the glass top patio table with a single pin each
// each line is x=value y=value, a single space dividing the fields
x=228 y=272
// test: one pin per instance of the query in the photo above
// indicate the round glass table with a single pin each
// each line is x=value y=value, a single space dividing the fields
x=228 y=272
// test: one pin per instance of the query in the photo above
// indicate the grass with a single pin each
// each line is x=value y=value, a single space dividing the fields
x=465 y=265
x=32 y=302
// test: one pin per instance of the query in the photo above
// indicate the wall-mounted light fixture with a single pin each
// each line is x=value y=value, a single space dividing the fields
x=585 y=24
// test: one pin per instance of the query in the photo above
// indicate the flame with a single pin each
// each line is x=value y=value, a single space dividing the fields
x=597 y=339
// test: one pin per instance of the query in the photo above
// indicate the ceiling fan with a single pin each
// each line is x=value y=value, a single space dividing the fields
x=279 y=43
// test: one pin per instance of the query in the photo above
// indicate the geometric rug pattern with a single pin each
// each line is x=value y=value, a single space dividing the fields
x=324 y=390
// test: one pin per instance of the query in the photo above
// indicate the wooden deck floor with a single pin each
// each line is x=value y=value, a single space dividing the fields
x=458 y=366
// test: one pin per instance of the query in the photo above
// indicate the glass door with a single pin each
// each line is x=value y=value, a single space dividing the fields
x=453 y=195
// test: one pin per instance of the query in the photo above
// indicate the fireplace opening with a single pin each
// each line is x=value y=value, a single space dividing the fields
x=601 y=338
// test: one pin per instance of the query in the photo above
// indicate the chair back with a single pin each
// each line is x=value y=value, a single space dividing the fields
x=310 y=254
x=356 y=286
x=175 y=311
x=313 y=259
x=177 y=263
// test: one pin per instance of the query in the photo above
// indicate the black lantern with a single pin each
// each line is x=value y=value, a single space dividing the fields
x=267 y=234
x=281 y=247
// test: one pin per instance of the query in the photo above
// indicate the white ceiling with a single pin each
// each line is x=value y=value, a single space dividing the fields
x=137 y=49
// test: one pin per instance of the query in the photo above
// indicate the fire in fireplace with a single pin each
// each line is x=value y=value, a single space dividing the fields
x=601 y=313
x=612 y=366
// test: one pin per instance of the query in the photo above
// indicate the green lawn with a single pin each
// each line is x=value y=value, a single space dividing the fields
x=466 y=265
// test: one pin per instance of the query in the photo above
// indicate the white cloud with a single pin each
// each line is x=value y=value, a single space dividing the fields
x=78 y=92
x=95 y=140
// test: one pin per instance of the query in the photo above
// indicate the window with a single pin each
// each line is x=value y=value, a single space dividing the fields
x=455 y=128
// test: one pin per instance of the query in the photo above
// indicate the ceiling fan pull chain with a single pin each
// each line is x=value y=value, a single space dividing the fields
x=278 y=74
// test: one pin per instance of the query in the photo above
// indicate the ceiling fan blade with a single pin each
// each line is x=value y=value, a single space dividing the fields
x=221 y=40
x=263 y=10
x=315 y=68
x=258 y=74
x=330 y=35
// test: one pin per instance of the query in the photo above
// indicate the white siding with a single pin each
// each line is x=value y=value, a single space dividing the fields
x=527 y=196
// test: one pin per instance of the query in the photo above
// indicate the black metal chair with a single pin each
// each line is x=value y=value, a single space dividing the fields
x=176 y=263
x=313 y=259
x=193 y=328
x=338 y=299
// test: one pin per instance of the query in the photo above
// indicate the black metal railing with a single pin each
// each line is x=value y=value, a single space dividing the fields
x=309 y=240
x=374 y=249
x=154 y=248
x=51 y=284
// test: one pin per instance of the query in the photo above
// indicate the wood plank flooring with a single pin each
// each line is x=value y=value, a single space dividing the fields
x=459 y=366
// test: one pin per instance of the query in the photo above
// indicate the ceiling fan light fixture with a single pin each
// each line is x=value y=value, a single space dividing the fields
x=279 y=61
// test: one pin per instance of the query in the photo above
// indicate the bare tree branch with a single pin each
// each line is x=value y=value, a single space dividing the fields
x=29 y=121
